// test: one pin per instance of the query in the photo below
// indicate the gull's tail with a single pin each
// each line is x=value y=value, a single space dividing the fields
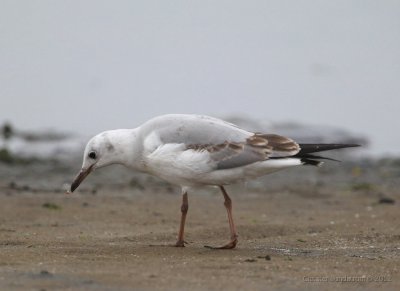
x=306 y=153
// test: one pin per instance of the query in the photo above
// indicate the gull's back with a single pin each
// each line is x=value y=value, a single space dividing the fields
x=193 y=129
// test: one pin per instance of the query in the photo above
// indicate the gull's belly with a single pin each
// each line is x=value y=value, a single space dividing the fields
x=252 y=171
x=185 y=175
x=190 y=178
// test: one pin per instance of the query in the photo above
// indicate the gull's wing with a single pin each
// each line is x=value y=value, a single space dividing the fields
x=227 y=146
x=258 y=147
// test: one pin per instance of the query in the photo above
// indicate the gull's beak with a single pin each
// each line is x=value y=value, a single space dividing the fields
x=80 y=177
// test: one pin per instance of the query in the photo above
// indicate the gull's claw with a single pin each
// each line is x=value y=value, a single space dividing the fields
x=230 y=245
x=180 y=244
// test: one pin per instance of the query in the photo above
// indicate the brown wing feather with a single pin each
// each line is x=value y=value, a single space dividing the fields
x=281 y=146
x=258 y=147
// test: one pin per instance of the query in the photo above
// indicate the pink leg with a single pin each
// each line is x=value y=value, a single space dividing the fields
x=184 y=210
x=228 y=205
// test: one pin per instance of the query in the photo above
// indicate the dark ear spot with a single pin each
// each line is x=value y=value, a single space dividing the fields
x=92 y=155
x=110 y=147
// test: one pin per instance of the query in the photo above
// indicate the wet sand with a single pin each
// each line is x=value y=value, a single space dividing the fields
x=311 y=236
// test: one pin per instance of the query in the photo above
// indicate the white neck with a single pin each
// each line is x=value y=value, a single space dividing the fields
x=127 y=147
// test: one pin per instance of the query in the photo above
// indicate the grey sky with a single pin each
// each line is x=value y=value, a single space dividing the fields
x=88 y=66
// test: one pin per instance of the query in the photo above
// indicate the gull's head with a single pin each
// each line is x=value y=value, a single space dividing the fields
x=99 y=152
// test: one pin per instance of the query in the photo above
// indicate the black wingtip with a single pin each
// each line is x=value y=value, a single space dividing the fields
x=314 y=148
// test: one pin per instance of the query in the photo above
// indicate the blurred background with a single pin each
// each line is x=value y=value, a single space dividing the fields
x=319 y=71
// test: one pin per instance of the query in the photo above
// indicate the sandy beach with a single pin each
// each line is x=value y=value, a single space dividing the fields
x=308 y=228
x=199 y=93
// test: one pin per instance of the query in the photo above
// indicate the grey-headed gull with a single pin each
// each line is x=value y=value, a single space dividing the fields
x=196 y=150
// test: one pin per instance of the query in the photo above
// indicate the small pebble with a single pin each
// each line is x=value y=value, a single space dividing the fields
x=267 y=257
x=386 y=200
x=250 y=260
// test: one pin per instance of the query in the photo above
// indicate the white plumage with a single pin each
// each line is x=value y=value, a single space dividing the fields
x=196 y=150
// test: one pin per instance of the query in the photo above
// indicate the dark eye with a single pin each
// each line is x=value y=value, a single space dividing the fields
x=92 y=155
